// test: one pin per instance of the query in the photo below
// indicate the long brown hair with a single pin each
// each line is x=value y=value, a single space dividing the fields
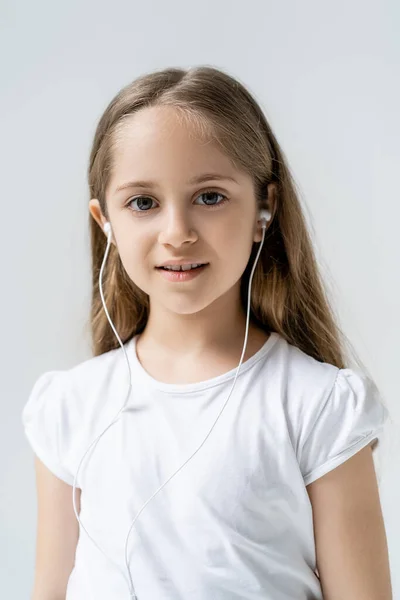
x=288 y=294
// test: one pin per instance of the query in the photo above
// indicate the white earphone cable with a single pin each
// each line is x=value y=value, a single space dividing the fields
x=264 y=216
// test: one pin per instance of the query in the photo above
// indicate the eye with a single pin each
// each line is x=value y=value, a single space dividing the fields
x=209 y=194
x=144 y=202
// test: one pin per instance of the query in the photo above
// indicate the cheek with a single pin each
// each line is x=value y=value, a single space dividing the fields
x=134 y=254
x=235 y=243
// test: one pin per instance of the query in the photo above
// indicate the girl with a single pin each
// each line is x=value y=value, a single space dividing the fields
x=209 y=481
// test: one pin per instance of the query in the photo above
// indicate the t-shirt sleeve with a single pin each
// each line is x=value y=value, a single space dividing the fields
x=45 y=425
x=351 y=417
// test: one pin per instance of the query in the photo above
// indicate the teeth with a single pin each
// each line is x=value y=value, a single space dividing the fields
x=182 y=267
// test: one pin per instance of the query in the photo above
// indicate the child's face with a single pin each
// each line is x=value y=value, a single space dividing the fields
x=173 y=219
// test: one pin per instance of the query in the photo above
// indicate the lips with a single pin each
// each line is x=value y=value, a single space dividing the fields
x=180 y=262
x=174 y=276
x=178 y=270
x=167 y=269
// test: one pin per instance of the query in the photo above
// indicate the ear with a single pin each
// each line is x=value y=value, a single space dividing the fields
x=95 y=211
x=271 y=206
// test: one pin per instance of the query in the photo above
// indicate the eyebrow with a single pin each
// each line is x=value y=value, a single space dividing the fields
x=198 y=179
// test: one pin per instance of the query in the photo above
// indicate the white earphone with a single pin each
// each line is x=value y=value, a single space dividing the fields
x=264 y=217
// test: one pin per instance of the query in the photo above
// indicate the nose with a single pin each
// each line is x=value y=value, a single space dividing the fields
x=176 y=227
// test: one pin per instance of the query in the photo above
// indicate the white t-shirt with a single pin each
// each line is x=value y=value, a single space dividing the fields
x=236 y=521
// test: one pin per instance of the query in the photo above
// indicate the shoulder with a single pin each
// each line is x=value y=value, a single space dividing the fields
x=96 y=368
x=87 y=379
x=303 y=375
x=67 y=407
x=328 y=410
x=314 y=384
x=322 y=388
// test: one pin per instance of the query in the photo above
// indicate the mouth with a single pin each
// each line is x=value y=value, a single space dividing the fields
x=181 y=270
x=172 y=275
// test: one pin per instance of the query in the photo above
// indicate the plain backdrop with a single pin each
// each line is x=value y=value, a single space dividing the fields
x=327 y=77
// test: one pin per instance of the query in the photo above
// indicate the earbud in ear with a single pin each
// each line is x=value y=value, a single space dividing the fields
x=264 y=217
x=107 y=227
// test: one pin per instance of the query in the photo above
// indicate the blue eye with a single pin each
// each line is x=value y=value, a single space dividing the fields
x=144 y=202
x=212 y=193
x=141 y=198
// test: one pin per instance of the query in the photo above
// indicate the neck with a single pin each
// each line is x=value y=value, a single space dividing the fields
x=221 y=325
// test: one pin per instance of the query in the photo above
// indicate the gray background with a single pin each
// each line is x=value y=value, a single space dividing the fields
x=327 y=76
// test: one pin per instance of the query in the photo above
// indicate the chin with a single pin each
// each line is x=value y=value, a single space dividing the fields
x=187 y=308
x=195 y=304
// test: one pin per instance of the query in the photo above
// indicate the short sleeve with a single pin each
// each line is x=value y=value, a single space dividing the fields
x=45 y=425
x=351 y=417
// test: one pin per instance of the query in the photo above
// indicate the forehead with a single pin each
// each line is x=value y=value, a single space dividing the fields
x=159 y=142
x=162 y=122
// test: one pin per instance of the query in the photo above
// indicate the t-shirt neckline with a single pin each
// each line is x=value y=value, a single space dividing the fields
x=184 y=388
